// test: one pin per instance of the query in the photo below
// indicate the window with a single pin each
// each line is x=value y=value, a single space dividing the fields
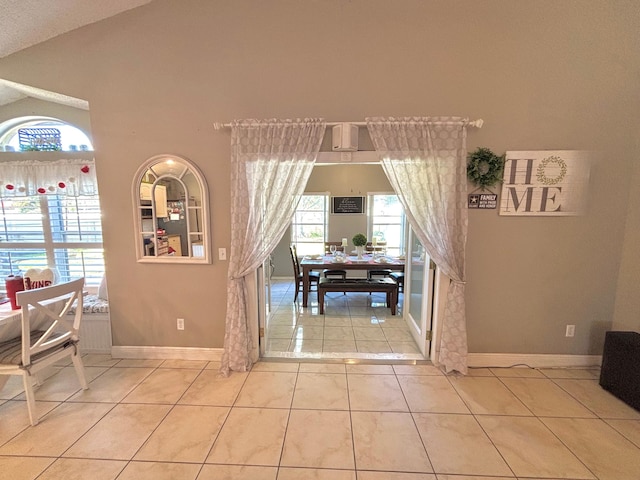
x=14 y=135
x=54 y=231
x=309 y=228
x=49 y=206
x=387 y=221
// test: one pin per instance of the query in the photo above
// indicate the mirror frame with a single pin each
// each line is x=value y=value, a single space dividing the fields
x=183 y=168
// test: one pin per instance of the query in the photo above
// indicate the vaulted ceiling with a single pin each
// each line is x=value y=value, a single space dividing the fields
x=24 y=23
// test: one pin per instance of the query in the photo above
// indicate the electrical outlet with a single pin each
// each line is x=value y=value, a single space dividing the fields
x=222 y=254
x=180 y=324
x=571 y=331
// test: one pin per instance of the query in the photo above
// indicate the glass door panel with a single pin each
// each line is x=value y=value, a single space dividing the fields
x=264 y=301
x=418 y=288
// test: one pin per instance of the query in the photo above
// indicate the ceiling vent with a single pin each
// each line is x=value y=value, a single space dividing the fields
x=345 y=137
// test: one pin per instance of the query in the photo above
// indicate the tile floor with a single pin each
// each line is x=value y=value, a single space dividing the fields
x=161 y=420
x=356 y=325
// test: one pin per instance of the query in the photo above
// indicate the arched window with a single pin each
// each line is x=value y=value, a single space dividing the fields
x=42 y=133
x=49 y=206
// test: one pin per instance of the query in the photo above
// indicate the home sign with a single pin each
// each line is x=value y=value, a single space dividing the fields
x=549 y=183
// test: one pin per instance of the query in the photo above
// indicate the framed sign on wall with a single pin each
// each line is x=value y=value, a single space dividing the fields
x=350 y=205
x=545 y=183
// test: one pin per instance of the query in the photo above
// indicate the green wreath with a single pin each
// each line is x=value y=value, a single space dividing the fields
x=484 y=168
x=541 y=174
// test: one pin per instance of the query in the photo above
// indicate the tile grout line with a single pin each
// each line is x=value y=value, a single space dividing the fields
x=538 y=418
x=286 y=427
x=413 y=419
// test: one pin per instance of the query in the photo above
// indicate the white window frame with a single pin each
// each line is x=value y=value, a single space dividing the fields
x=392 y=248
x=92 y=267
x=305 y=248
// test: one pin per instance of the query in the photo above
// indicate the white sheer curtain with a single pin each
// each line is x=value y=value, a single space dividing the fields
x=271 y=163
x=425 y=161
x=23 y=178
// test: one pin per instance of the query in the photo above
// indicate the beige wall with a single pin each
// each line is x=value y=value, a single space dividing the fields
x=542 y=74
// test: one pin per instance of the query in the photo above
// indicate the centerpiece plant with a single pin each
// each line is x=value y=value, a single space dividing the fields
x=359 y=241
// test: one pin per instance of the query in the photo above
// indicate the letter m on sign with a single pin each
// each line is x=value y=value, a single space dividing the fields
x=519 y=199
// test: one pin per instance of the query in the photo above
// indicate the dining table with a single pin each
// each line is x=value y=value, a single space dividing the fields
x=10 y=325
x=351 y=262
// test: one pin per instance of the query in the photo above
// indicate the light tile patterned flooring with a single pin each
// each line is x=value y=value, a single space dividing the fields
x=161 y=420
x=356 y=325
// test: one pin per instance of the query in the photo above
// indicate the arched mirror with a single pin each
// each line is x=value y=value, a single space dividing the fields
x=171 y=214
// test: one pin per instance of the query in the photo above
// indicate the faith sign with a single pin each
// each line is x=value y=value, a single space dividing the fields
x=549 y=183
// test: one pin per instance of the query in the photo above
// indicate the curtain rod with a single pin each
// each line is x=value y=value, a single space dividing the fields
x=475 y=123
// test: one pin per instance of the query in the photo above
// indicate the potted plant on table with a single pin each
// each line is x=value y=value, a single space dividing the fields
x=359 y=241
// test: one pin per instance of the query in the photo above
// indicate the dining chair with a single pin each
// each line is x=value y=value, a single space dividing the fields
x=298 y=275
x=48 y=335
x=378 y=247
x=334 y=272
x=382 y=272
x=399 y=278
x=379 y=273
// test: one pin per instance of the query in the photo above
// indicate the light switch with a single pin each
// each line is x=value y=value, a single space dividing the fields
x=222 y=254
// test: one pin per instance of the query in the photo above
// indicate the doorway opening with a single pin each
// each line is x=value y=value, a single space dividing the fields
x=354 y=326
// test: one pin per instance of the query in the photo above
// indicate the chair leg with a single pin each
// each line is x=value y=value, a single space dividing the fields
x=295 y=297
x=79 y=366
x=27 y=381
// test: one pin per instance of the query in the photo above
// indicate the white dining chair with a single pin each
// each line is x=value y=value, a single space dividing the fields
x=48 y=335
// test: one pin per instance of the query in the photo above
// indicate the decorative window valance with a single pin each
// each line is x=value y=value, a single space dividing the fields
x=23 y=178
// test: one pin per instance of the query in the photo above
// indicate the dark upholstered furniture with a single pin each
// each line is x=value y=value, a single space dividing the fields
x=385 y=285
x=333 y=272
x=620 y=373
x=399 y=279
x=383 y=272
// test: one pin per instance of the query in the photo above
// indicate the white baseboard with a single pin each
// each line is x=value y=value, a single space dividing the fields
x=532 y=360
x=168 y=353
x=474 y=359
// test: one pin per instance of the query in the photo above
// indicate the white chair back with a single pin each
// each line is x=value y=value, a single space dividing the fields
x=48 y=334
x=40 y=313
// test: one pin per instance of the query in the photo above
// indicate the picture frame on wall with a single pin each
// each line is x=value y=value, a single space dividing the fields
x=347 y=205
